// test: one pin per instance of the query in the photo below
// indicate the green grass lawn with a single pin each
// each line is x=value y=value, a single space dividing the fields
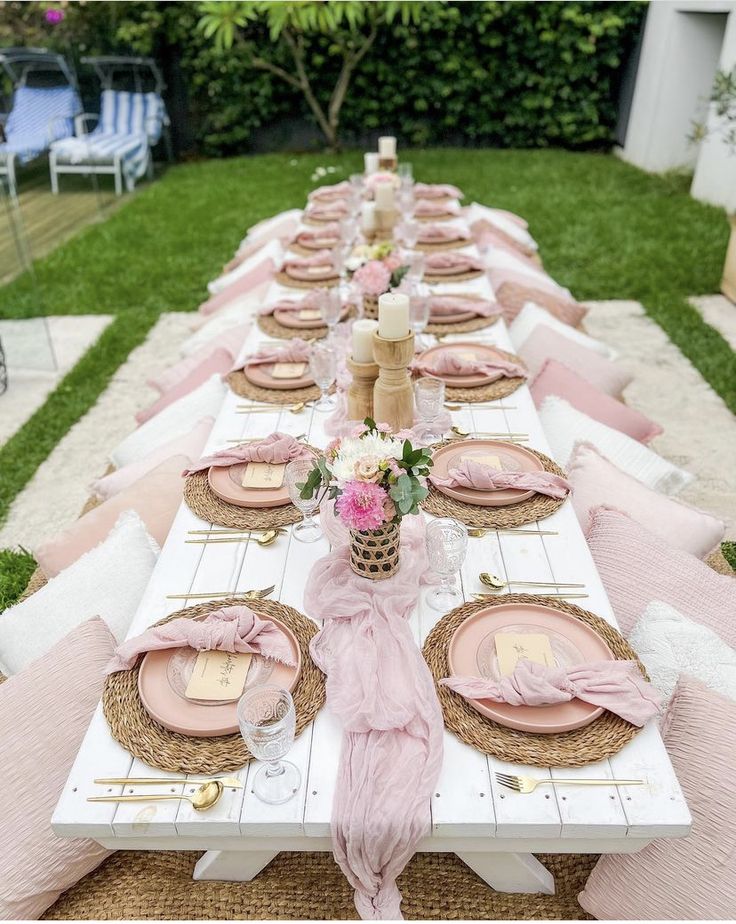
x=605 y=230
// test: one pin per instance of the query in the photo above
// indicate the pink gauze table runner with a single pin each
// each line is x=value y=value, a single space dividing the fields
x=380 y=689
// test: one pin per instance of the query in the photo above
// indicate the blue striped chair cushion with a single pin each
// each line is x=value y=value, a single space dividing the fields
x=39 y=115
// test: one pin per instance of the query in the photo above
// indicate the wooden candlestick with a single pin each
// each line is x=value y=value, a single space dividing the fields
x=360 y=392
x=386 y=220
x=393 y=398
x=390 y=164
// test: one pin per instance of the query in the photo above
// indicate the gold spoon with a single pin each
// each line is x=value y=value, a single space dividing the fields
x=256 y=439
x=202 y=799
x=480 y=598
x=268 y=538
x=232 y=782
x=484 y=407
x=477 y=533
x=490 y=580
x=294 y=408
x=460 y=432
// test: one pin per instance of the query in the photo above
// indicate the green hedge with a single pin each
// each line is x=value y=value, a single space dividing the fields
x=488 y=73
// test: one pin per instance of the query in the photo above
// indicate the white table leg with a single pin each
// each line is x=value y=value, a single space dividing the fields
x=232 y=865
x=511 y=872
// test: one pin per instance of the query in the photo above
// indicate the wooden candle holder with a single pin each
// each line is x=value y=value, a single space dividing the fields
x=360 y=392
x=386 y=220
x=388 y=163
x=393 y=397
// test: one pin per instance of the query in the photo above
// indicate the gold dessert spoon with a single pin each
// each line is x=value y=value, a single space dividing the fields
x=202 y=799
x=490 y=580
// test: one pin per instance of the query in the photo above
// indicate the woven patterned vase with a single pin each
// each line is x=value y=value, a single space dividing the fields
x=374 y=553
x=370 y=307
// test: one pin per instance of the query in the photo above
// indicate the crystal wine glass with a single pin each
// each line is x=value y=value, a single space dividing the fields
x=406 y=201
x=323 y=369
x=296 y=475
x=330 y=308
x=408 y=232
x=406 y=174
x=447 y=542
x=267 y=722
x=418 y=307
x=429 y=395
x=416 y=267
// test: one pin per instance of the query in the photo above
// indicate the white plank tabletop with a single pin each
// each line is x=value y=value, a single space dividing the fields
x=468 y=804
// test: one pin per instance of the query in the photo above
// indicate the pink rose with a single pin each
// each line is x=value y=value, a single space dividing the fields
x=389 y=509
x=367 y=469
x=372 y=278
x=392 y=261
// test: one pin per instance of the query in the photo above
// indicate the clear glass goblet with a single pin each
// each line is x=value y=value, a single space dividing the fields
x=330 y=308
x=405 y=172
x=323 y=369
x=447 y=543
x=267 y=722
x=418 y=307
x=356 y=182
x=406 y=201
x=296 y=475
x=416 y=266
x=429 y=396
x=408 y=233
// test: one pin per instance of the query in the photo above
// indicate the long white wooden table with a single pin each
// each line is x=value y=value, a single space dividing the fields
x=494 y=830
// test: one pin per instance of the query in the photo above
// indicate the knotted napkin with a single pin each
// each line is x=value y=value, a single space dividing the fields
x=450 y=261
x=617 y=686
x=295 y=351
x=437 y=191
x=439 y=234
x=425 y=208
x=326 y=232
x=330 y=193
x=448 y=305
x=452 y=362
x=480 y=477
x=231 y=628
x=278 y=448
x=320 y=258
x=310 y=300
x=332 y=211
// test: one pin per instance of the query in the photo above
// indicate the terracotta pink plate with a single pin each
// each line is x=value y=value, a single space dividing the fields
x=261 y=376
x=324 y=243
x=312 y=273
x=226 y=484
x=478 y=350
x=452 y=318
x=458 y=270
x=472 y=653
x=513 y=458
x=292 y=319
x=164 y=675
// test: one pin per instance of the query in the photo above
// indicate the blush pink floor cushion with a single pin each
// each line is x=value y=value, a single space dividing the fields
x=637 y=567
x=694 y=877
x=554 y=378
x=260 y=273
x=44 y=712
x=219 y=362
x=189 y=444
x=230 y=339
x=513 y=295
x=155 y=497
x=597 y=481
x=544 y=343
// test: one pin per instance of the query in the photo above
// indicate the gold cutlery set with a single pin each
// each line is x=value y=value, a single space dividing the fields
x=263 y=537
x=248 y=594
x=526 y=784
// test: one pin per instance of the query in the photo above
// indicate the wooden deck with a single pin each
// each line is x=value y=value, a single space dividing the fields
x=42 y=221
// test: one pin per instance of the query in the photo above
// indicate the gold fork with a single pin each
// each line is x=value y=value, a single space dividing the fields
x=479 y=533
x=249 y=594
x=481 y=598
x=526 y=784
x=232 y=782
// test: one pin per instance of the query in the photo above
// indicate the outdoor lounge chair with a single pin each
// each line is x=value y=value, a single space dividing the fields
x=39 y=114
x=129 y=125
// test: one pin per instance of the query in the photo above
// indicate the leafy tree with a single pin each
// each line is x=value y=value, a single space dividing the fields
x=352 y=27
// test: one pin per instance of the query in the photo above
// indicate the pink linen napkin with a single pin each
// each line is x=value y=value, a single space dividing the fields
x=295 y=350
x=452 y=260
x=480 y=477
x=310 y=235
x=332 y=211
x=320 y=258
x=381 y=691
x=437 y=191
x=438 y=234
x=617 y=686
x=231 y=628
x=425 y=208
x=440 y=305
x=451 y=362
x=330 y=193
x=276 y=449
x=310 y=300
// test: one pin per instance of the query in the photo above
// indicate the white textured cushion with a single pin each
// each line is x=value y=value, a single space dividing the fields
x=532 y=315
x=502 y=260
x=269 y=225
x=107 y=581
x=670 y=644
x=236 y=313
x=44 y=713
x=173 y=421
x=564 y=426
x=273 y=250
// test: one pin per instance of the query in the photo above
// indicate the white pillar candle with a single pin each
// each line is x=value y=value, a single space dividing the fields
x=368 y=216
x=387 y=146
x=363 y=340
x=371 y=163
x=393 y=316
x=384 y=196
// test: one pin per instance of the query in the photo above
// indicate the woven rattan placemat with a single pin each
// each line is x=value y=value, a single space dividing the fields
x=457 y=277
x=436 y=246
x=462 y=327
x=494 y=390
x=535 y=508
x=284 y=279
x=269 y=325
x=602 y=738
x=134 y=728
x=241 y=386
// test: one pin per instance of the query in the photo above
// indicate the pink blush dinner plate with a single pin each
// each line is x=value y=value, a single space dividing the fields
x=452 y=318
x=319 y=243
x=226 y=483
x=164 y=675
x=472 y=653
x=471 y=351
x=512 y=458
x=292 y=319
x=312 y=273
x=262 y=376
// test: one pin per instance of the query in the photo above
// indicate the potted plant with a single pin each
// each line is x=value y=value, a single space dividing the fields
x=375 y=478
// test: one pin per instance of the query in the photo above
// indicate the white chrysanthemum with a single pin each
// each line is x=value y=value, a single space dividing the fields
x=352 y=449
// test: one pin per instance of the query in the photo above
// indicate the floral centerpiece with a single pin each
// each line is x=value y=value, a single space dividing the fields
x=380 y=272
x=375 y=479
